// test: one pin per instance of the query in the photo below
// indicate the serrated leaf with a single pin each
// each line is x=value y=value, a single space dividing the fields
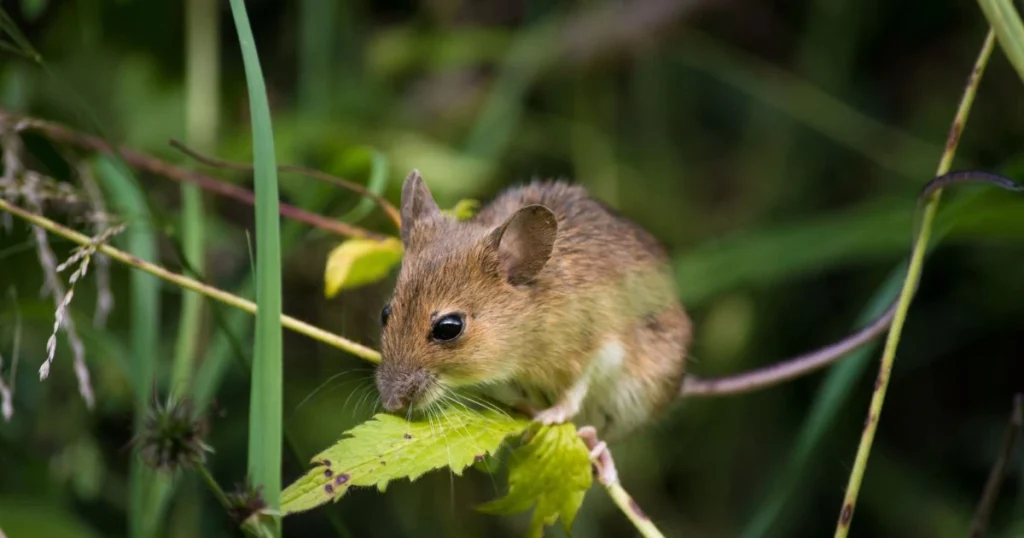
x=464 y=209
x=357 y=262
x=387 y=448
x=550 y=473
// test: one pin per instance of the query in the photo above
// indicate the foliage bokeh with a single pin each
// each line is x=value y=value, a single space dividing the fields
x=775 y=147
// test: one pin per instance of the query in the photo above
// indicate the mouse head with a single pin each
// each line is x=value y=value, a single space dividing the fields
x=462 y=294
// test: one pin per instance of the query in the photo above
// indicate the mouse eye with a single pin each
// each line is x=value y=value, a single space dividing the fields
x=447 y=328
x=385 y=313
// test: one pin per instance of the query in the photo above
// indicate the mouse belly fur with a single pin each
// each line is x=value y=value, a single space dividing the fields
x=626 y=383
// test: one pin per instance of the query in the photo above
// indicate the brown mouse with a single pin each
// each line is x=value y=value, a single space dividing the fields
x=545 y=300
x=549 y=301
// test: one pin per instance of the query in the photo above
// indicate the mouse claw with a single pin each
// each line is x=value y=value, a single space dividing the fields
x=600 y=456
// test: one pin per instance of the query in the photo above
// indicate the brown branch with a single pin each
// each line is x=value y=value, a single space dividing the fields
x=998 y=472
x=809 y=362
x=153 y=165
x=302 y=170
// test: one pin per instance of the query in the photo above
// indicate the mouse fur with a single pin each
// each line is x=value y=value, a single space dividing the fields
x=568 y=309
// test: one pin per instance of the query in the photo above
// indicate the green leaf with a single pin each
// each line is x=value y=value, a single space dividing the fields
x=377 y=162
x=387 y=448
x=551 y=472
x=464 y=209
x=266 y=388
x=1009 y=30
x=356 y=262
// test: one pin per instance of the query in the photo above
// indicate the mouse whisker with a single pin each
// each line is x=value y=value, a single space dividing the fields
x=322 y=385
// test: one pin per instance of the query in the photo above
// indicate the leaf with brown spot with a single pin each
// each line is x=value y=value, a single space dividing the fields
x=387 y=448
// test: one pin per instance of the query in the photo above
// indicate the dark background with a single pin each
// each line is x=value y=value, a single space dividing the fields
x=776 y=147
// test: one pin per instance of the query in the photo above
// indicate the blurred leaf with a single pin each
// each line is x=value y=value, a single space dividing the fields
x=830 y=400
x=357 y=262
x=387 y=448
x=874 y=231
x=464 y=209
x=377 y=162
x=1005 y=20
x=20 y=516
x=31 y=9
x=129 y=200
x=551 y=473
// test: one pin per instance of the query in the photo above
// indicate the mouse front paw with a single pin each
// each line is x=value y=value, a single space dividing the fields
x=559 y=414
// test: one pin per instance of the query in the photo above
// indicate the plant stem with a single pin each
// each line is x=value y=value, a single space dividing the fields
x=235 y=301
x=629 y=507
x=998 y=472
x=213 y=485
x=906 y=295
x=215 y=162
x=152 y=165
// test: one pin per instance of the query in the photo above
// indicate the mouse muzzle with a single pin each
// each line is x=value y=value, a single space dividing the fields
x=401 y=388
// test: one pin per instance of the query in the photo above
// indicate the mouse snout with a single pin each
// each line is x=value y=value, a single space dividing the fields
x=400 y=389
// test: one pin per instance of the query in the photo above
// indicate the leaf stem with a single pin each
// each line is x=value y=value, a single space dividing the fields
x=906 y=295
x=629 y=507
x=213 y=485
x=216 y=294
x=608 y=477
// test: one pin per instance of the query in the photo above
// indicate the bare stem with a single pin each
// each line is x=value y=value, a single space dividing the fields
x=302 y=170
x=909 y=287
x=213 y=485
x=608 y=477
x=289 y=322
x=998 y=472
x=147 y=163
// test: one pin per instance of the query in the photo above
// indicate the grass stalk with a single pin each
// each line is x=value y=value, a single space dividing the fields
x=129 y=200
x=266 y=400
x=202 y=81
x=184 y=282
x=906 y=294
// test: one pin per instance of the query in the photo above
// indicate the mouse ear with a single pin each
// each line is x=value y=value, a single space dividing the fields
x=524 y=242
x=416 y=203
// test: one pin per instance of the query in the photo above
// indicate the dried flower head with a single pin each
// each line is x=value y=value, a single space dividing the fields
x=245 y=502
x=173 y=436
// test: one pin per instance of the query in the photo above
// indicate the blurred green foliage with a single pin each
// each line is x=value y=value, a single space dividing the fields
x=775 y=147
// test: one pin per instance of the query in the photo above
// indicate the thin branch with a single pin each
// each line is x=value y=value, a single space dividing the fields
x=147 y=163
x=998 y=472
x=608 y=477
x=289 y=322
x=809 y=362
x=909 y=287
x=301 y=170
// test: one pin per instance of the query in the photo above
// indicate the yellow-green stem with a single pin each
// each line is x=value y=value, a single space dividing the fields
x=184 y=282
x=906 y=295
x=628 y=506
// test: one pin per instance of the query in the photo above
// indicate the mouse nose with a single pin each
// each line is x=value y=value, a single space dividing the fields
x=395 y=402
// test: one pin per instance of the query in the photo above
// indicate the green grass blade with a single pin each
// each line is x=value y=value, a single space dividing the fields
x=377 y=184
x=265 y=406
x=873 y=232
x=1009 y=30
x=203 y=91
x=202 y=110
x=128 y=200
x=832 y=396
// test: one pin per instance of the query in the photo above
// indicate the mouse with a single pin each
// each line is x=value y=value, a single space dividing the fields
x=546 y=300
x=556 y=305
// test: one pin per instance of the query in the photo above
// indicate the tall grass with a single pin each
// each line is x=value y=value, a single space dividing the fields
x=129 y=200
x=265 y=413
